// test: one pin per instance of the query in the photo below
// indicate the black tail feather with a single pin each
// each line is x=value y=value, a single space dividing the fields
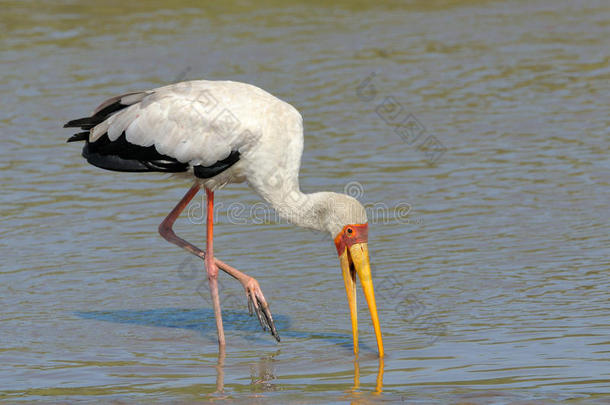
x=121 y=155
x=106 y=109
x=81 y=136
x=84 y=123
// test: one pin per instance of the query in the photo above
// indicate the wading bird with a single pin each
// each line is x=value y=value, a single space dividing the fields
x=220 y=132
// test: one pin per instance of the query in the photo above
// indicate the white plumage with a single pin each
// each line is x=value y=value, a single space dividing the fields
x=201 y=122
x=222 y=132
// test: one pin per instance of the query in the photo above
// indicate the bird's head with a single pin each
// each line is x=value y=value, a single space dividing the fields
x=347 y=222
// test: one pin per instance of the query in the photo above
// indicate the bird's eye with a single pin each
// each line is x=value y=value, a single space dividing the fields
x=349 y=231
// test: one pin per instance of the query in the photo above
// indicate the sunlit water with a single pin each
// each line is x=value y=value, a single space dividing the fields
x=493 y=287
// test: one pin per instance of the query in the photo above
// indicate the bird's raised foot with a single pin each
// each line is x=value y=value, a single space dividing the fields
x=257 y=304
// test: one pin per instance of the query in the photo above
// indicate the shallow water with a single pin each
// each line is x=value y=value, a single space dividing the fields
x=489 y=212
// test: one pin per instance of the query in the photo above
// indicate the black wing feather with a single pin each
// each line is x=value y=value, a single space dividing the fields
x=206 y=172
x=121 y=155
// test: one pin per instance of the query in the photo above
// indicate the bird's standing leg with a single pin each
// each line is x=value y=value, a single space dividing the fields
x=220 y=372
x=255 y=296
x=211 y=267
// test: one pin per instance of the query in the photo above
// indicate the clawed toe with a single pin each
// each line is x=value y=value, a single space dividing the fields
x=257 y=304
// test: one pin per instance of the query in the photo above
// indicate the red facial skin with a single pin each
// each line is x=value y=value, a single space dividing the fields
x=351 y=234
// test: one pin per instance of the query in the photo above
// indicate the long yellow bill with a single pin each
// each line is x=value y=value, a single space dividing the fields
x=355 y=260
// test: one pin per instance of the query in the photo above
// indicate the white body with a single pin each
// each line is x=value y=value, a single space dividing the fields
x=200 y=122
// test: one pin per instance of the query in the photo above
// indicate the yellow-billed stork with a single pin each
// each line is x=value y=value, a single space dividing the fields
x=220 y=132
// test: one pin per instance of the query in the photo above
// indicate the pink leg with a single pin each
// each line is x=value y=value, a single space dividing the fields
x=256 y=299
x=211 y=266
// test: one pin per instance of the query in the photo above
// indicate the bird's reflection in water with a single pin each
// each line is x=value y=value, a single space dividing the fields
x=262 y=373
x=378 y=382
